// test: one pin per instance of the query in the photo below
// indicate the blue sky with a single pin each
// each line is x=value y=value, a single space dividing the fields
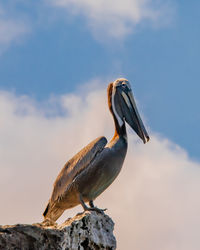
x=56 y=59
x=56 y=50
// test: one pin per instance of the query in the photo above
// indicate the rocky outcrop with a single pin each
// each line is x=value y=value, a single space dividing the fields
x=89 y=230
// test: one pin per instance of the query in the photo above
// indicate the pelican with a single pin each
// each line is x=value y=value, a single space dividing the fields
x=95 y=167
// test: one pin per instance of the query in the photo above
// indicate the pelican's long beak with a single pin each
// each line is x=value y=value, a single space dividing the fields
x=131 y=114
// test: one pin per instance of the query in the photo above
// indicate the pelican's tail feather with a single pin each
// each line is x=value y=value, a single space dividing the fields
x=52 y=212
x=46 y=210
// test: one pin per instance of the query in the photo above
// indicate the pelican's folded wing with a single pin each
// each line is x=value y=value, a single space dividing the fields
x=76 y=165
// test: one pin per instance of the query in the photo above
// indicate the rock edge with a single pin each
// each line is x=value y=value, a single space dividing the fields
x=89 y=230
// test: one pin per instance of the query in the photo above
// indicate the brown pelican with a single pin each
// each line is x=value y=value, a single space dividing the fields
x=94 y=168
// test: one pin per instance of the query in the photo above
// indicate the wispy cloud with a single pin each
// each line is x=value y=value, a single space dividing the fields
x=155 y=199
x=12 y=29
x=105 y=19
x=116 y=18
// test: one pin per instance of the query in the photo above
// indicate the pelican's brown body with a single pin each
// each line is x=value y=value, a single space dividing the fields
x=94 y=168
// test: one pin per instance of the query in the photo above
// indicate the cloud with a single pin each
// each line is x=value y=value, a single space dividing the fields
x=116 y=18
x=155 y=199
x=11 y=29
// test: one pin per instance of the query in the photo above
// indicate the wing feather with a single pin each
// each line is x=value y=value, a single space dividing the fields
x=76 y=165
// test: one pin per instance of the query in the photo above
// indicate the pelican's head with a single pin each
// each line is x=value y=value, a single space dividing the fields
x=123 y=107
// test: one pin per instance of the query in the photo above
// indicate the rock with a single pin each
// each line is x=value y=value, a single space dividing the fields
x=89 y=230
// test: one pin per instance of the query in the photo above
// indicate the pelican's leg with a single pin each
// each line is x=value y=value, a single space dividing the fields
x=91 y=203
x=92 y=207
x=83 y=203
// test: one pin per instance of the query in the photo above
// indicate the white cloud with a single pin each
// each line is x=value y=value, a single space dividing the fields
x=11 y=29
x=154 y=201
x=116 y=18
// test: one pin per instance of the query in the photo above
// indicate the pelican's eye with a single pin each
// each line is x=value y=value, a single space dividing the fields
x=122 y=83
x=127 y=84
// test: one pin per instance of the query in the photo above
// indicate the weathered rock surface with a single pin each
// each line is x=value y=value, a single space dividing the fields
x=84 y=231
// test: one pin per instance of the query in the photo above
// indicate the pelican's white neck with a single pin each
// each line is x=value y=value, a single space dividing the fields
x=119 y=120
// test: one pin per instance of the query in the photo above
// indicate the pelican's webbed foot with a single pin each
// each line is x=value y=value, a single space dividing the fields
x=92 y=207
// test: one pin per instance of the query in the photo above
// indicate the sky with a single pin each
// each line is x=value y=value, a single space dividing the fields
x=56 y=60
